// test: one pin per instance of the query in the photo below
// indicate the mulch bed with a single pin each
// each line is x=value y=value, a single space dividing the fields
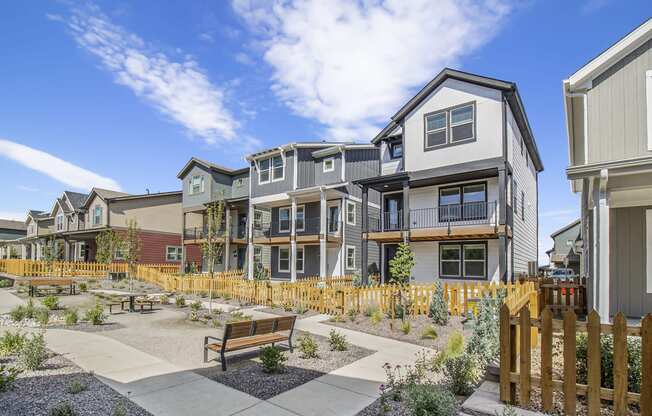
x=244 y=371
x=392 y=329
x=392 y=408
x=283 y=312
x=34 y=393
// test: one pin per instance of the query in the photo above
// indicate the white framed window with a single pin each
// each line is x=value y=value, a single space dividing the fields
x=283 y=259
x=119 y=254
x=258 y=218
x=475 y=261
x=59 y=222
x=97 y=215
x=515 y=198
x=301 y=218
x=196 y=185
x=271 y=169
x=450 y=126
x=258 y=255
x=436 y=129
x=462 y=123
x=278 y=171
x=523 y=205
x=299 y=261
x=329 y=164
x=263 y=171
x=173 y=253
x=350 y=212
x=463 y=261
x=284 y=220
x=450 y=257
x=350 y=257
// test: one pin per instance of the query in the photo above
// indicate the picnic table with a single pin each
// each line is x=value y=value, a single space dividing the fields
x=133 y=299
x=34 y=284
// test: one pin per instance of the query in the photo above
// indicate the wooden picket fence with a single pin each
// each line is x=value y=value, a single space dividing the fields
x=560 y=296
x=516 y=361
x=33 y=268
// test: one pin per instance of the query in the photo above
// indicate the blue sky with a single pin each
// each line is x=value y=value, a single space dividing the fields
x=122 y=94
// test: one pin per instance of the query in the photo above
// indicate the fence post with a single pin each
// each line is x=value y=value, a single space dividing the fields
x=646 y=366
x=546 y=360
x=620 y=364
x=507 y=389
x=593 y=363
x=570 y=378
x=525 y=360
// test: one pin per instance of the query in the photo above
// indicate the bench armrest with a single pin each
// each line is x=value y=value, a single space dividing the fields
x=206 y=338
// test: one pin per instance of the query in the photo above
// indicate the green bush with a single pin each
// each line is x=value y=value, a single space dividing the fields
x=51 y=302
x=11 y=343
x=42 y=316
x=96 y=315
x=196 y=306
x=164 y=299
x=377 y=317
x=32 y=354
x=429 y=332
x=454 y=348
x=272 y=359
x=8 y=376
x=6 y=283
x=308 y=346
x=406 y=327
x=300 y=309
x=337 y=341
x=238 y=316
x=462 y=373
x=77 y=387
x=83 y=287
x=30 y=309
x=427 y=399
x=62 y=409
x=368 y=311
x=18 y=313
x=438 y=309
x=71 y=317
x=119 y=410
x=607 y=364
x=485 y=338
x=352 y=314
x=180 y=301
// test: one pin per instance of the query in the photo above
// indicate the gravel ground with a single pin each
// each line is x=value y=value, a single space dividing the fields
x=245 y=373
x=392 y=329
x=392 y=409
x=35 y=392
x=283 y=312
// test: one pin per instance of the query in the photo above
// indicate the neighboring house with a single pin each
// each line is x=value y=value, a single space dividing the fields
x=10 y=234
x=565 y=250
x=608 y=105
x=68 y=214
x=39 y=225
x=203 y=183
x=307 y=213
x=458 y=182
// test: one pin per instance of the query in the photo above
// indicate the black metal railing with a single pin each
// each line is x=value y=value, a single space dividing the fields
x=471 y=213
x=197 y=233
x=388 y=221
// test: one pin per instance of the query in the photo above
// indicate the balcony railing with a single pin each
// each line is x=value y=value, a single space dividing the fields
x=198 y=233
x=388 y=221
x=307 y=226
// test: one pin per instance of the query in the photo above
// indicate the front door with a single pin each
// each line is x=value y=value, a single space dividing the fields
x=333 y=218
x=389 y=253
x=242 y=225
x=242 y=254
x=393 y=212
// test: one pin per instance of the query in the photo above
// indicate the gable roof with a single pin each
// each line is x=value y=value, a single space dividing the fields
x=511 y=94
x=76 y=199
x=565 y=228
x=209 y=166
x=103 y=194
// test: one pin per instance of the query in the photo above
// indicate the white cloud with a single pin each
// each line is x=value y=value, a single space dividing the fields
x=11 y=215
x=350 y=65
x=243 y=58
x=561 y=214
x=54 y=167
x=206 y=37
x=180 y=90
x=26 y=188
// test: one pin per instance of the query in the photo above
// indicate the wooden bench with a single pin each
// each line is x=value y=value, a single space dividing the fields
x=34 y=284
x=139 y=302
x=247 y=334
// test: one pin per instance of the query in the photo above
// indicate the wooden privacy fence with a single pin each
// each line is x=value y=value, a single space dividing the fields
x=516 y=362
x=33 y=268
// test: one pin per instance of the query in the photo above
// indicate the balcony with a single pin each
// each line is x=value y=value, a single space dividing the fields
x=307 y=231
x=199 y=233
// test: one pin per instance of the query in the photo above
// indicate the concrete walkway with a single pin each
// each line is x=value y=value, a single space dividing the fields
x=8 y=301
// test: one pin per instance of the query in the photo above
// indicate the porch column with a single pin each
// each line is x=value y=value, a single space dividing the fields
x=250 y=242
x=227 y=238
x=365 y=229
x=343 y=236
x=23 y=251
x=602 y=284
x=293 y=241
x=406 y=211
x=322 y=234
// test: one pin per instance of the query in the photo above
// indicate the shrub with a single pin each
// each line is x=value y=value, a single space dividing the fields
x=454 y=348
x=6 y=283
x=429 y=332
x=51 y=302
x=7 y=376
x=462 y=373
x=352 y=314
x=11 y=343
x=62 y=409
x=217 y=311
x=438 y=309
x=406 y=327
x=337 y=341
x=71 y=317
x=119 y=410
x=164 y=299
x=238 y=316
x=308 y=346
x=272 y=359
x=32 y=354
x=287 y=306
x=77 y=387
x=336 y=318
x=427 y=399
x=400 y=377
x=607 y=363
x=485 y=341
x=18 y=313
x=180 y=301
x=196 y=306
x=96 y=315
x=300 y=309
x=368 y=311
x=83 y=287
x=42 y=316
x=30 y=309
x=376 y=317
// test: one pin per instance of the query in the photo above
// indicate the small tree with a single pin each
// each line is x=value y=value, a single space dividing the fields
x=51 y=253
x=131 y=250
x=108 y=242
x=213 y=246
x=438 y=309
x=400 y=269
x=13 y=253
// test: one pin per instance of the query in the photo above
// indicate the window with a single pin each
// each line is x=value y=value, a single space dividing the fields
x=395 y=150
x=196 y=184
x=284 y=220
x=467 y=260
x=119 y=254
x=523 y=205
x=59 y=222
x=258 y=219
x=258 y=255
x=515 y=198
x=271 y=169
x=173 y=253
x=301 y=218
x=450 y=126
x=299 y=261
x=350 y=212
x=283 y=259
x=263 y=171
x=329 y=164
x=279 y=169
x=97 y=215
x=464 y=202
x=350 y=257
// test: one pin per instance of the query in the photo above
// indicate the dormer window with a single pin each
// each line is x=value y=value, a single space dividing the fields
x=59 y=222
x=450 y=126
x=196 y=184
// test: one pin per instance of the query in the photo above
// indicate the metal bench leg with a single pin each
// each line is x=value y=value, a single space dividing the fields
x=223 y=360
x=290 y=344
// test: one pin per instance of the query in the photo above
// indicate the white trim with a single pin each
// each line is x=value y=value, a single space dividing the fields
x=289 y=209
x=328 y=159
x=648 y=97
x=648 y=249
x=359 y=200
x=201 y=185
x=303 y=207
x=260 y=200
x=278 y=260
x=269 y=177
x=167 y=253
x=295 y=168
x=283 y=160
x=351 y=203
x=343 y=170
x=303 y=259
x=346 y=257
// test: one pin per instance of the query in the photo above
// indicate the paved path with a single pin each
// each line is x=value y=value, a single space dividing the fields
x=8 y=301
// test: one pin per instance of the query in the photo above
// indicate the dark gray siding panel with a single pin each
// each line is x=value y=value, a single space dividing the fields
x=325 y=178
x=240 y=186
x=278 y=186
x=274 y=258
x=189 y=200
x=373 y=261
x=306 y=167
x=311 y=261
x=628 y=262
x=221 y=187
x=312 y=218
x=362 y=163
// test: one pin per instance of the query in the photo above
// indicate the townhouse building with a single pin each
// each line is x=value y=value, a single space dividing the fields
x=458 y=181
x=307 y=215
x=40 y=225
x=11 y=232
x=204 y=183
x=608 y=106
